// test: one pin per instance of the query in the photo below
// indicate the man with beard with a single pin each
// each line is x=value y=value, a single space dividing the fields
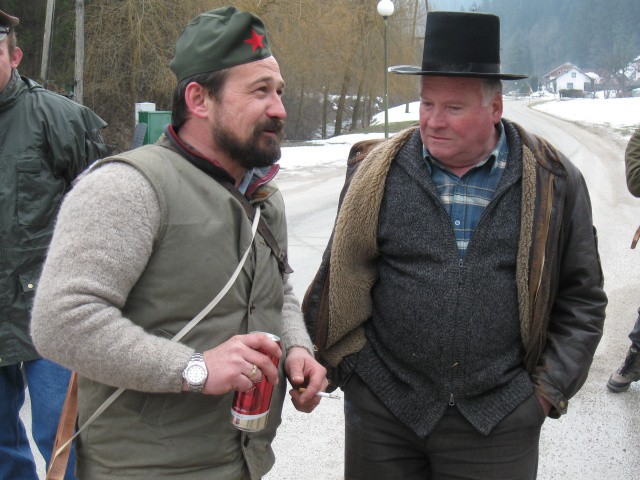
x=147 y=239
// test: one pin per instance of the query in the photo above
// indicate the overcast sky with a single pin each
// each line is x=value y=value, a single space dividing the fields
x=452 y=5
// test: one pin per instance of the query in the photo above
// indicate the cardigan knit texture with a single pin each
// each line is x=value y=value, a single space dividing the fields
x=457 y=321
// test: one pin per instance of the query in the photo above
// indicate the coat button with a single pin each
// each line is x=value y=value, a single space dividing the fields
x=252 y=308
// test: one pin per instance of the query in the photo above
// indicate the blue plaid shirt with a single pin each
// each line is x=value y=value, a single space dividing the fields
x=466 y=197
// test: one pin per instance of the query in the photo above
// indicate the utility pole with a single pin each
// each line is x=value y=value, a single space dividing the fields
x=79 y=59
x=46 y=44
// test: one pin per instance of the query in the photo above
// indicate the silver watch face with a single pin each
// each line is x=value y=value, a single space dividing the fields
x=196 y=375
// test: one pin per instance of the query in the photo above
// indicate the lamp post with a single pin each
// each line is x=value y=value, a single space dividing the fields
x=385 y=9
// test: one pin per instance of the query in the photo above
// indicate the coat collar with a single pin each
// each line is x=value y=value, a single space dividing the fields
x=12 y=91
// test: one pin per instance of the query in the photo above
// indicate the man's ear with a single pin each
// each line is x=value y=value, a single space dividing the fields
x=496 y=108
x=197 y=99
x=16 y=57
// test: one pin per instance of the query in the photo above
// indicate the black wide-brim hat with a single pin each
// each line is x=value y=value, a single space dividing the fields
x=458 y=44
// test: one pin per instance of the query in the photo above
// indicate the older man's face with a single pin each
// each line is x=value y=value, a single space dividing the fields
x=8 y=62
x=456 y=126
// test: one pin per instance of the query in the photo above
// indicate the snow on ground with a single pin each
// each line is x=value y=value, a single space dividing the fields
x=398 y=114
x=619 y=113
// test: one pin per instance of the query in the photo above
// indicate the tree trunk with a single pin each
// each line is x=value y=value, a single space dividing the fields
x=136 y=54
x=356 y=104
x=415 y=38
x=79 y=63
x=325 y=108
x=300 y=108
x=366 y=118
x=341 y=104
x=46 y=44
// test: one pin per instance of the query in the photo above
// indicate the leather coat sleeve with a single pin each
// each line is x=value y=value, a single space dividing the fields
x=578 y=307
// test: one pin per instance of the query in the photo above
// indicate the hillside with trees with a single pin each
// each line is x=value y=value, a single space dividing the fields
x=330 y=53
x=537 y=36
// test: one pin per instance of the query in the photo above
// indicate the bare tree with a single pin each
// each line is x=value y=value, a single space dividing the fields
x=324 y=50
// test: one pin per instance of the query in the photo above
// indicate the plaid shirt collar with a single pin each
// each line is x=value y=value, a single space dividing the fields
x=465 y=198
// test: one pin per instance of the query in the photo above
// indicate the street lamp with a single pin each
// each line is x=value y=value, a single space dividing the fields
x=385 y=9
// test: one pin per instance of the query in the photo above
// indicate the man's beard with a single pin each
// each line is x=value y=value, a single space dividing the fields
x=251 y=153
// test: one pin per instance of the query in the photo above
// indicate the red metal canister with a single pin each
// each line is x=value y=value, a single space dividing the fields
x=250 y=409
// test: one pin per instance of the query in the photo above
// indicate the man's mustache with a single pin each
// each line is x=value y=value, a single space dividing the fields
x=272 y=125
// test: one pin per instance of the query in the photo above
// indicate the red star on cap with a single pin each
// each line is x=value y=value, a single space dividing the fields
x=255 y=41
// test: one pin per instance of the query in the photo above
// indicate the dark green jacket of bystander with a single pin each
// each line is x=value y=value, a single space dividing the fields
x=632 y=161
x=46 y=140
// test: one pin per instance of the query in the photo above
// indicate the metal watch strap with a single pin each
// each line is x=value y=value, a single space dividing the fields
x=196 y=357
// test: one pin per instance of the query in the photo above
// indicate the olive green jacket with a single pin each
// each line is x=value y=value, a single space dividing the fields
x=46 y=140
x=632 y=162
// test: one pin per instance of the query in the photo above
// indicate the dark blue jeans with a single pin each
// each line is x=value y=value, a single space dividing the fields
x=47 y=383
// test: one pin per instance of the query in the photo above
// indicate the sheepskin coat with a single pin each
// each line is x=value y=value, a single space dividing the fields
x=558 y=276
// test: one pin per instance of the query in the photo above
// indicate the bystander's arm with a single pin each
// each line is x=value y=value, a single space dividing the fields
x=632 y=162
x=103 y=239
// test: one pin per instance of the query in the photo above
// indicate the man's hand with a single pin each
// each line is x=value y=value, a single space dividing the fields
x=304 y=371
x=636 y=237
x=230 y=364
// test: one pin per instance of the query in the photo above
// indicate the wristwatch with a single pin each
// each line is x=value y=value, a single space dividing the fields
x=195 y=373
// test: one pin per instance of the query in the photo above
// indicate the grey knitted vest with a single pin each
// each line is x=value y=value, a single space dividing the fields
x=445 y=331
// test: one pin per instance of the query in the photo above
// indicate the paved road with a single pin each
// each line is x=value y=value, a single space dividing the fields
x=598 y=438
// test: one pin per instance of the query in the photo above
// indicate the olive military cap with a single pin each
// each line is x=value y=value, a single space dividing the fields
x=217 y=39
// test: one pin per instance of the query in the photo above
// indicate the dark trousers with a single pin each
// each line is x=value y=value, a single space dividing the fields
x=380 y=447
x=634 y=335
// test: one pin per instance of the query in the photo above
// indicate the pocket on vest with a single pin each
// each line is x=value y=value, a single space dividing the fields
x=153 y=409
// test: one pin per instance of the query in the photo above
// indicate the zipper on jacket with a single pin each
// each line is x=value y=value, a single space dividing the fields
x=451 y=400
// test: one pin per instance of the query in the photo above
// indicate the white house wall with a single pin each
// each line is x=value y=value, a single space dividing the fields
x=573 y=79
